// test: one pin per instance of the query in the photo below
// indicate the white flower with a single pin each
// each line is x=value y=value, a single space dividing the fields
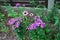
x=25 y=13
x=31 y=14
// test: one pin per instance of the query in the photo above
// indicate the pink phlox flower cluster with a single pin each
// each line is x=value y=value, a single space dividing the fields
x=38 y=23
x=15 y=22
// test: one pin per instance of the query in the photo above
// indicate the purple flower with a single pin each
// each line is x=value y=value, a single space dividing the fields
x=17 y=24
x=31 y=14
x=17 y=4
x=36 y=17
x=13 y=27
x=25 y=13
x=42 y=25
x=12 y=21
x=32 y=26
x=38 y=22
x=24 y=5
x=19 y=19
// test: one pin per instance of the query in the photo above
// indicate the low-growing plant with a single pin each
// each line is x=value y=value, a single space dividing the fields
x=33 y=23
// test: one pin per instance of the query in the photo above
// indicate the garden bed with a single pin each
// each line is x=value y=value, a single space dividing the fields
x=49 y=32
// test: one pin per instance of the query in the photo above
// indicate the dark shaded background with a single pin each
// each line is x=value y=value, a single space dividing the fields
x=27 y=2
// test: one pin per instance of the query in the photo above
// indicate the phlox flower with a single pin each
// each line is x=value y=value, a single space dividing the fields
x=17 y=4
x=32 y=26
x=17 y=24
x=12 y=21
x=36 y=17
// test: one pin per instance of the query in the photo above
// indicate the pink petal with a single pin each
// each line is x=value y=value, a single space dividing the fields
x=17 y=24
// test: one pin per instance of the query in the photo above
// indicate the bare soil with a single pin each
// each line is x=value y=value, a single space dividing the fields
x=7 y=36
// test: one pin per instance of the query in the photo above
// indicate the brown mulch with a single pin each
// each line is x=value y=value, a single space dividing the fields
x=7 y=36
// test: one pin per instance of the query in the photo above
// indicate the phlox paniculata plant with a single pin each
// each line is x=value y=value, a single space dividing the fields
x=30 y=21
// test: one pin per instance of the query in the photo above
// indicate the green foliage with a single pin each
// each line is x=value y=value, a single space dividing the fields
x=3 y=28
x=53 y=15
x=50 y=32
